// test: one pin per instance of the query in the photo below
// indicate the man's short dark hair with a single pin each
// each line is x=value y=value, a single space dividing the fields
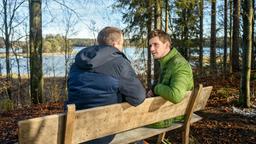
x=108 y=35
x=163 y=36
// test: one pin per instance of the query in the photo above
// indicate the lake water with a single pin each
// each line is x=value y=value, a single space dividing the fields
x=54 y=65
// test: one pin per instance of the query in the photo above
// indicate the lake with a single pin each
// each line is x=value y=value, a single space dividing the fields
x=54 y=65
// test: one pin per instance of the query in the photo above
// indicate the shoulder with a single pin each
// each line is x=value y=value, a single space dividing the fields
x=179 y=63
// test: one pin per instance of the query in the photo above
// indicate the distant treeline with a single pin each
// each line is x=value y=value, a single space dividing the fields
x=128 y=43
x=56 y=43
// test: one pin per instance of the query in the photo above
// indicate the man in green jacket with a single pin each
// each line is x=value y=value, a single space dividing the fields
x=176 y=77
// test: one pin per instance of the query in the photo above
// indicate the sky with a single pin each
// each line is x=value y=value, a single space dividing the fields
x=88 y=17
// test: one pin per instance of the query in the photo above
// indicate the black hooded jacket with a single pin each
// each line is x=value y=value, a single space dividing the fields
x=102 y=75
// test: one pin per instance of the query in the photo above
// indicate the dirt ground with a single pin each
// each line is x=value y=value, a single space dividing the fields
x=224 y=122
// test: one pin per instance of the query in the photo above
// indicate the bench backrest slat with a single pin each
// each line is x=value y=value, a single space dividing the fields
x=101 y=121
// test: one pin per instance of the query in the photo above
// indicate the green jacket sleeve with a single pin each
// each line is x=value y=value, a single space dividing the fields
x=181 y=81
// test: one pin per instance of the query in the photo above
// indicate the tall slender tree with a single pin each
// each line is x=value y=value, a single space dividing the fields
x=158 y=14
x=230 y=34
x=225 y=34
x=149 y=28
x=253 y=41
x=185 y=33
x=213 y=38
x=69 y=22
x=236 y=41
x=35 y=43
x=244 y=97
x=201 y=15
x=158 y=25
x=166 y=14
x=7 y=30
x=7 y=40
x=10 y=21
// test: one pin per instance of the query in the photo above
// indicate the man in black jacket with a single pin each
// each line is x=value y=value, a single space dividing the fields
x=102 y=75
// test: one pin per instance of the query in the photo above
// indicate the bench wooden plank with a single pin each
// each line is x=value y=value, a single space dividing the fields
x=41 y=130
x=143 y=132
x=101 y=121
x=69 y=128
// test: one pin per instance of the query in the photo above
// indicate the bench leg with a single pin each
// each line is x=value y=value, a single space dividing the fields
x=160 y=138
x=189 y=112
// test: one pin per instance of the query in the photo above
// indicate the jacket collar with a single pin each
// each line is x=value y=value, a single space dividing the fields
x=169 y=56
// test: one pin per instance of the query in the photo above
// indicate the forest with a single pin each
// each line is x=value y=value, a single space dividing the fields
x=224 y=27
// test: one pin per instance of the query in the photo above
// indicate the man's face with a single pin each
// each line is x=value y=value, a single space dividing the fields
x=157 y=48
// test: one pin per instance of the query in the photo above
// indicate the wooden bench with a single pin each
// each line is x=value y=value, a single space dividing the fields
x=122 y=119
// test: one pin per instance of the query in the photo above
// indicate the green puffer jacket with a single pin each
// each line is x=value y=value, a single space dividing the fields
x=176 y=78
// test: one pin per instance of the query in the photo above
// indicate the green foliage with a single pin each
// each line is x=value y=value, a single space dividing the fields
x=56 y=43
x=53 y=43
x=186 y=24
x=133 y=12
x=82 y=42
x=6 y=105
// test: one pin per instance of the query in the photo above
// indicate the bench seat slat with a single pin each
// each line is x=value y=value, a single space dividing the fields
x=143 y=132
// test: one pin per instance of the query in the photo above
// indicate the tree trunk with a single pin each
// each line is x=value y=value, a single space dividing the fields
x=225 y=35
x=68 y=24
x=149 y=28
x=18 y=96
x=184 y=35
x=201 y=10
x=244 y=97
x=36 y=72
x=158 y=16
x=186 y=49
x=67 y=58
x=236 y=42
x=158 y=25
x=7 y=46
x=230 y=35
x=253 y=62
x=213 y=38
x=166 y=14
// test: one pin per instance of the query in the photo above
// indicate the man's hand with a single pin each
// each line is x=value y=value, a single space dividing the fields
x=150 y=94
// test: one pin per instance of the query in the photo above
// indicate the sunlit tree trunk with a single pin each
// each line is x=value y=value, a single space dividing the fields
x=244 y=97
x=225 y=34
x=35 y=39
x=158 y=14
x=236 y=41
x=166 y=14
x=149 y=28
x=201 y=10
x=213 y=38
